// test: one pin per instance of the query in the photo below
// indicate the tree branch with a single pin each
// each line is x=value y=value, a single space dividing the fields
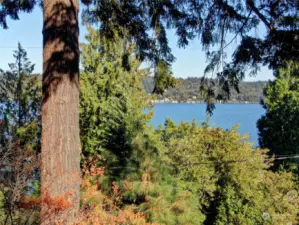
x=250 y=3
x=240 y=30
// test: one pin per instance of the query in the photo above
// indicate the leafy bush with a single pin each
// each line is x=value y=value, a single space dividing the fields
x=231 y=180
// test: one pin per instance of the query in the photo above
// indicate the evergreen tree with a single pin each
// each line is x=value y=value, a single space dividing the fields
x=114 y=130
x=111 y=99
x=163 y=78
x=20 y=101
x=279 y=127
x=113 y=124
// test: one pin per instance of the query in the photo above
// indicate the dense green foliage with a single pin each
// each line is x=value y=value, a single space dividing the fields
x=162 y=78
x=111 y=101
x=114 y=128
x=20 y=101
x=231 y=181
x=279 y=127
x=179 y=174
x=189 y=90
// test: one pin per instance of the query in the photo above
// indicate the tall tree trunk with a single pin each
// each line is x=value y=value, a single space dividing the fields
x=60 y=157
x=19 y=86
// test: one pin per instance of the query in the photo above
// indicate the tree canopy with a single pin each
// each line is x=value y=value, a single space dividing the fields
x=12 y=8
x=279 y=127
x=146 y=23
x=216 y=23
x=20 y=100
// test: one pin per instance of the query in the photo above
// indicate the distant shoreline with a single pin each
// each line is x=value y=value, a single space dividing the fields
x=189 y=92
x=216 y=103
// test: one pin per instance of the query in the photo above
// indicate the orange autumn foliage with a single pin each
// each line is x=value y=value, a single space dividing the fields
x=29 y=202
x=97 y=207
x=100 y=209
x=58 y=203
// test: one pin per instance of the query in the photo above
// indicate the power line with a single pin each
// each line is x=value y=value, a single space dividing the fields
x=275 y=158
x=15 y=47
x=216 y=162
x=286 y=157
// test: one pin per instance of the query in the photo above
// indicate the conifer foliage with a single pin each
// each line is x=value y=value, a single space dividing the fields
x=279 y=127
x=20 y=100
x=12 y=8
x=115 y=130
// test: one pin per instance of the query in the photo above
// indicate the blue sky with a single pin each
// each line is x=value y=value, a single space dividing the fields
x=190 y=62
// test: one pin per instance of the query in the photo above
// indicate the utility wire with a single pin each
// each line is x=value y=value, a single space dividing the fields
x=15 y=47
x=219 y=162
x=286 y=157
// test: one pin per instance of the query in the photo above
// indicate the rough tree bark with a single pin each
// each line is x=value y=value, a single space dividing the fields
x=60 y=157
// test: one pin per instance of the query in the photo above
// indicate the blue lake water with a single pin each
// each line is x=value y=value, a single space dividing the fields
x=224 y=116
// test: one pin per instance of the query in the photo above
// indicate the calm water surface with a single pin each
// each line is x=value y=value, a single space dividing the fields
x=225 y=116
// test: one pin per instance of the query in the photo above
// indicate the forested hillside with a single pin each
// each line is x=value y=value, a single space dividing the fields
x=188 y=90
